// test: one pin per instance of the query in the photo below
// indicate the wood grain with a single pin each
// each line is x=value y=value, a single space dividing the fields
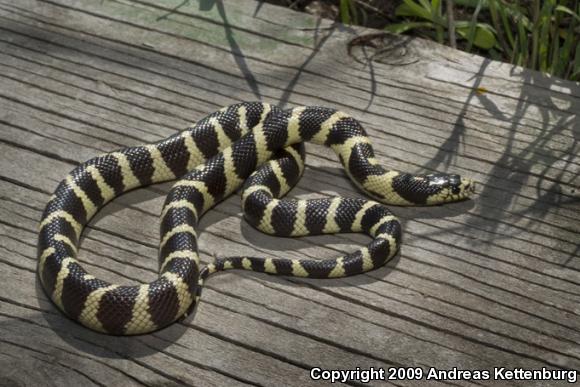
x=484 y=283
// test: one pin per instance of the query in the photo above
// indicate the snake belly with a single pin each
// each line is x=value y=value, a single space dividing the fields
x=212 y=159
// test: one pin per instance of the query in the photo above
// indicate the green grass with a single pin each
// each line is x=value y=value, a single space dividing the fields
x=541 y=35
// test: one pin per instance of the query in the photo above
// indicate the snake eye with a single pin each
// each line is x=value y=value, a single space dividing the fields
x=454 y=180
x=455 y=183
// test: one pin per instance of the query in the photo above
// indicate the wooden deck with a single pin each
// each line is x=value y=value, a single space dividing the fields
x=490 y=282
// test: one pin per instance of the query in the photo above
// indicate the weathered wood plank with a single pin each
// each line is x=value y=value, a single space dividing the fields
x=484 y=283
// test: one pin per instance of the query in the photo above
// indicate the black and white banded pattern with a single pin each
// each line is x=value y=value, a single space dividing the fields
x=212 y=159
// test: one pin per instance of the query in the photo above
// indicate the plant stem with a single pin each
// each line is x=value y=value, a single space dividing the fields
x=523 y=36
x=535 y=32
x=451 y=24
x=554 y=56
x=473 y=26
x=507 y=27
x=436 y=16
x=496 y=24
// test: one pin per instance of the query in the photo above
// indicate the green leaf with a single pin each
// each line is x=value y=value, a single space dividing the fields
x=410 y=8
x=353 y=11
x=561 y=57
x=425 y=4
x=471 y=3
x=413 y=9
x=523 y=45
x=507 y=28
x=435 y=7
x=472 y=27
x=399 y=28
x=404 y=10
x=495 y=18
x=518 y=14
x=543 y=25
x=436 y=17
x=561 y=8
x=345 y=11
x=483 y=36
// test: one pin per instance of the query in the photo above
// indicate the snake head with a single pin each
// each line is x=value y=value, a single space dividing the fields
x=450 y=188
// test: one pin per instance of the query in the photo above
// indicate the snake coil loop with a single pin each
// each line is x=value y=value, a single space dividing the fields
x=253 y=142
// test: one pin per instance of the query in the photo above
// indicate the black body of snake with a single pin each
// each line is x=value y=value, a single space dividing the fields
x=212 y=159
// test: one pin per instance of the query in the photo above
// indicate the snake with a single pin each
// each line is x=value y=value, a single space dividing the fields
x=257 y=147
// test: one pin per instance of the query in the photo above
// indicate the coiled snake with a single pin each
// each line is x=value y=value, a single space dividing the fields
x=212 y=159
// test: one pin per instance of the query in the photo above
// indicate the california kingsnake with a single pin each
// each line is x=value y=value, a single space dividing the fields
x=220 y=152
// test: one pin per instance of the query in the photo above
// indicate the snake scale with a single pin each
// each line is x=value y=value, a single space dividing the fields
x=253 y=142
